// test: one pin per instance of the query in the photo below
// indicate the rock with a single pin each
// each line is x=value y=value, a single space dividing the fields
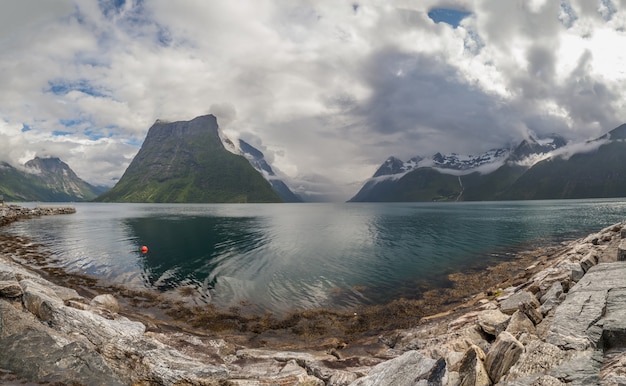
x=107 y=301
x=153 y=362
x=40 y=300
x=538 y=358
x=340 y=372
x=612 y=372
x=493 y=322
x=284 y=356
x=582 y=370
x=411 y=368
x=554 y=292
x=575 y=269
x=472 y=370
x=503 y=354
x=38 y=353
x=614 y=320
x=95 y=328
x=590 y=260
x=621 y=251
x=622 y=233
x=551 y=299
x=510 y=305
x=519 y=324
x=577 y=321
x=535 y=316
x=10 y=289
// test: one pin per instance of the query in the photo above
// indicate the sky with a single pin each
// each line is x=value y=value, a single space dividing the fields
x=327 y=89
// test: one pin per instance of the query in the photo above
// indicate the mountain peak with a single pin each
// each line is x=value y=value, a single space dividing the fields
x=186 y=161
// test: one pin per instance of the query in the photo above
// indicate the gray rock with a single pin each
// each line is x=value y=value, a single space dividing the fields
x=493 y=322
x=340 y=372
x=614 y=320
x=575 y=269
x=554 y=292
x=510 y=305
x=156 y=363
x=40 y=300
x=577 y=321
x=520 y=324
x=582 y=370
x=621 y=251
x=503 y=354
x=411 y=368
x=36 y=356
x=590 y=260
x=538 y=358
x=535 y=316
x=472 y=370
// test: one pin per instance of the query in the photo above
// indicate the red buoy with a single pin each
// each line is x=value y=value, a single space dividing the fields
x=144 y=249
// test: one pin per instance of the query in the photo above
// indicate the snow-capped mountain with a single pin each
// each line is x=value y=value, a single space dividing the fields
x=455 y=177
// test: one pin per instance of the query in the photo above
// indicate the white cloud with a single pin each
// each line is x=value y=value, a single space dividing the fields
x=324 y=87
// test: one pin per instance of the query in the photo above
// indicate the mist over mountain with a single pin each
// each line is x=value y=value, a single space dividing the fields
x=44 y=179
x=544 y=168
x=187 y=161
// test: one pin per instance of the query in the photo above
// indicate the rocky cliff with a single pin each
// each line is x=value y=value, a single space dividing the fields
x=186 y=161
x=561 y=322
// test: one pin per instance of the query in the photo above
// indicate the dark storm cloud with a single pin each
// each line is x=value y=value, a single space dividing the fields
x=424 y=99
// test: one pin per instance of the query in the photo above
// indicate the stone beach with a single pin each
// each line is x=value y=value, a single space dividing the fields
x=560 y=321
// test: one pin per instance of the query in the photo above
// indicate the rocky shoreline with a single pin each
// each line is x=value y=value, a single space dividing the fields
x=561 y=321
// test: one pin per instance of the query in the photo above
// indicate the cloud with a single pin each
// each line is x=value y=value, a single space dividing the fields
x=324 y=88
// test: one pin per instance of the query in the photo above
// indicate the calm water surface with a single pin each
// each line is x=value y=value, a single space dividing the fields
x=293 y=256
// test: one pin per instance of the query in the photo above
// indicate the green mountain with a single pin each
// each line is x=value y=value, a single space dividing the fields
x=599 y=171
x=186 y=161
x=44 y=179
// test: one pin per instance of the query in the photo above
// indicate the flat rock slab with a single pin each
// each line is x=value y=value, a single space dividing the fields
x=578 y=321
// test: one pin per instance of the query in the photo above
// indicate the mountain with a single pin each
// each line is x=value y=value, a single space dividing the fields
x=257 y=160
x=186 y=161
x=536 y=168
x=44 y=179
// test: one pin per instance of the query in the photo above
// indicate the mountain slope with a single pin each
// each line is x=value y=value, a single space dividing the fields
x=535 y=169
x=257 y=160
x=186 y=161
x=44 y=179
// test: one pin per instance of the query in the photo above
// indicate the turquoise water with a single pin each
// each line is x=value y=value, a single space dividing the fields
x=280 y=257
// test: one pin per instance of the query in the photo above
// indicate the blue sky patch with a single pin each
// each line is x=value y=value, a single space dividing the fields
x=59 y=133
x=62 y=87
x=452 y=17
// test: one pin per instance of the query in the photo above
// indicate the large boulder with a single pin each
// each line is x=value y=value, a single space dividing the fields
x=520 y=324
x=410 y=369
x=503 y=354
x=472 y=370
x=493 y=322
x=614 y=320
x=538 y=358
x=512 y=303
x=578 y=321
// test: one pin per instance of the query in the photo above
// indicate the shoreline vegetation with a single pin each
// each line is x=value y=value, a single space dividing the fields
x=324 y=346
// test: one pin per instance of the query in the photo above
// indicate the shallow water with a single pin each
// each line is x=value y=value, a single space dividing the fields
x=281 y=257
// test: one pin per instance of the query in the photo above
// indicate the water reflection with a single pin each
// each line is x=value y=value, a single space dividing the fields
x=283 y=257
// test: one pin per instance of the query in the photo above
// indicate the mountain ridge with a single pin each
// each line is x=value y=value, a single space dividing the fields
x=534 y=169
x=44 y=179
